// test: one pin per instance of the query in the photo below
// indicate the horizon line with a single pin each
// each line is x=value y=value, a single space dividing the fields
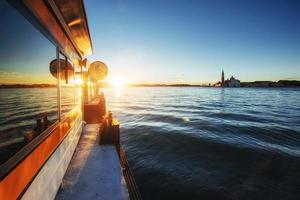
x=107 y=83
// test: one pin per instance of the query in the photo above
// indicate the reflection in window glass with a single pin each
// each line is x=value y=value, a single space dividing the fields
x=28 y=93
x=67 y=76
x=78 y=85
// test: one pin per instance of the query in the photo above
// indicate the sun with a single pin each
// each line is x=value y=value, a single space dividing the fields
x=118 y=82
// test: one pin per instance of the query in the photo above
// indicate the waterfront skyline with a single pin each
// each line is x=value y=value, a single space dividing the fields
x=178 y=42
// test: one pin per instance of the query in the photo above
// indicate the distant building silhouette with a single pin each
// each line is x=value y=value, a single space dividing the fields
x=232 y=82
x=222 y=79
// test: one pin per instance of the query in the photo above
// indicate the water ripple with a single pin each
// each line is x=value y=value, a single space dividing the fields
x=211 y=143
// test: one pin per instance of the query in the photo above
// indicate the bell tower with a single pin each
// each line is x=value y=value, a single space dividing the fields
x=222 y=79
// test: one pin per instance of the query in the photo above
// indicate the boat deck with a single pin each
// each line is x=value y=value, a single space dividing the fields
x=94 y=171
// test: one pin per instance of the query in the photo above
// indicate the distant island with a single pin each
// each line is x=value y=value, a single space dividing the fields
x=233 y=82
x=166 y=85
x=280 y=83
x=42 y=85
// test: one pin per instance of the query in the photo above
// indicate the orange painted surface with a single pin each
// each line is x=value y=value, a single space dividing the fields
x=17 y=180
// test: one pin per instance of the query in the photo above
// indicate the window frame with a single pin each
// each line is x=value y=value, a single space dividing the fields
x=13 y=162
x=20 y=155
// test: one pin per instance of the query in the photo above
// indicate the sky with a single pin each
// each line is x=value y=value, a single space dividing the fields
x=192 y=41
x=160 y=41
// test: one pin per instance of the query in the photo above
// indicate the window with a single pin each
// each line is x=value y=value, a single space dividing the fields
x=28 y=91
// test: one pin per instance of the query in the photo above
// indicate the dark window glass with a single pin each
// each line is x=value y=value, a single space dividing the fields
x=28 y=93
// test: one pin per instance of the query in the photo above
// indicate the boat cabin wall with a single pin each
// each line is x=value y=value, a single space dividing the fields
x=40 y=110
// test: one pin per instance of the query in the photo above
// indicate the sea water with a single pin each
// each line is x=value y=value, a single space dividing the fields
x=192 y=142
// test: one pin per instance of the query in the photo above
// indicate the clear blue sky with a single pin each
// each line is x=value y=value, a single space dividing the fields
x=191 y=41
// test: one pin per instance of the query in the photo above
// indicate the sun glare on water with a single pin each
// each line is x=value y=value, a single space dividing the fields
x=118 y=84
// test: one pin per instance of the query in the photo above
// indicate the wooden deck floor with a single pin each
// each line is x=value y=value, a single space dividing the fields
x=94 y=171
